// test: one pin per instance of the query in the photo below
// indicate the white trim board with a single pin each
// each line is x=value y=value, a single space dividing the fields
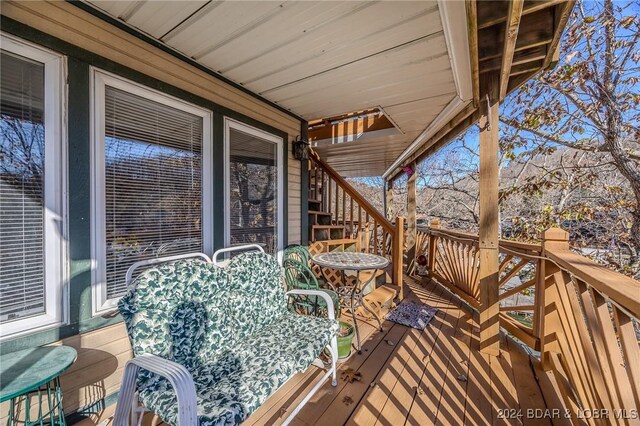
x=55 y=191
x=99 y=80
x=230 y=124
x=454 y=23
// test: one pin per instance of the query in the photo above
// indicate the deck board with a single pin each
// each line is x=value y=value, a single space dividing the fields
x=420 y=379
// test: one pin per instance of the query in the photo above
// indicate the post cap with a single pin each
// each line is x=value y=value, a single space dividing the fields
x=555 y=234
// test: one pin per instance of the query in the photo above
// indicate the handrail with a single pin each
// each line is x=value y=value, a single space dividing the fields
x=519 y=245
x=622 y=290
x=346 y=186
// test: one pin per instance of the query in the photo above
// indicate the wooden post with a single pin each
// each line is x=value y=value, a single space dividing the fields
x=489 y=225
x=411 y=215
x=433 y=240
x=397 y=256
x=388 y=201
x=546 y=296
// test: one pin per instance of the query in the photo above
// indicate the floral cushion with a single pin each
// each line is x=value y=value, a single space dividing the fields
x=234 y=385
x=229 y=327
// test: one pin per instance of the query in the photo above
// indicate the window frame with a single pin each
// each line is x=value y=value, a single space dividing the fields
x=99 y=80
x=55 y=226
x=278 y=141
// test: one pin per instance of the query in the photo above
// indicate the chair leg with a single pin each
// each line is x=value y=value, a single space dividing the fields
x=124 y=413
x=334 y=361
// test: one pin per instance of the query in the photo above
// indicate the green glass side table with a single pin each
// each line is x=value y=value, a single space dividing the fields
x=30 y=372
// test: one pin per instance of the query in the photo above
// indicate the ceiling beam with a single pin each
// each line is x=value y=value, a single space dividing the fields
x=560 y=21
x=520 y=57
x=528 y=8
x=536 y=29
x=511 y=35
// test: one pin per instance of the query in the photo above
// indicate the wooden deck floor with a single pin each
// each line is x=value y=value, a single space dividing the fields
x=437 y=376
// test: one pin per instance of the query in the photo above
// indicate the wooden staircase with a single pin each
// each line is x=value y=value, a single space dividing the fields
x=339 y=216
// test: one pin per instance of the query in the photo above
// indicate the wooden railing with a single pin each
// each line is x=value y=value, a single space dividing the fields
x=579 y=318
x=362 y=221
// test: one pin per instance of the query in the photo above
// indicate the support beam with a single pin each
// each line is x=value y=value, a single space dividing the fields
x=411 y=214
x=397 y=256
x=489 y=217
x=472 y=19
x=388 y=201
x=511 y=35
x=559 y=24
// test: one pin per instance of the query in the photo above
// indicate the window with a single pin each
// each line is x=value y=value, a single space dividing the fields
x=151 y=163
x=254 y=187
x=32 y=221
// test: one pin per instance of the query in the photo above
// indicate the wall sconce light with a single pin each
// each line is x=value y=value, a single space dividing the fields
x=300 y=149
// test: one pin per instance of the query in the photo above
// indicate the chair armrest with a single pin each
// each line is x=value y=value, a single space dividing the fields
x=325 y=296
x=179 y=377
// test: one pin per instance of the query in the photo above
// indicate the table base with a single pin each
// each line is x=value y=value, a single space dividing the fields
x=351 y=299
x=50 y=394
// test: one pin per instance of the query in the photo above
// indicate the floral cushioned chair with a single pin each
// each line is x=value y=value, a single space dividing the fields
x=211 y=344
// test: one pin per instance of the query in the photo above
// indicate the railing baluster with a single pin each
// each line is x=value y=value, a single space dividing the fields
x=584 y=315
x=630 y=348
x=375 y=237
x=351 y=233
x=315 y=183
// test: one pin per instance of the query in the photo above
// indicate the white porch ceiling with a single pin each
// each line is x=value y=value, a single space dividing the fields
x=321 y=59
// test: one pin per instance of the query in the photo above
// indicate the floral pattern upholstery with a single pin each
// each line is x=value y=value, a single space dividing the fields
x=229 y=327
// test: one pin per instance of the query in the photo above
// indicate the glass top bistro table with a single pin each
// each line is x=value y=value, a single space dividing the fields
x=351 y=294
x=35 y=372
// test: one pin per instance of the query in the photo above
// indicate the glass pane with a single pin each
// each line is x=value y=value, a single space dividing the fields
x=153 y=162
x=21 y=187
x=253 y=191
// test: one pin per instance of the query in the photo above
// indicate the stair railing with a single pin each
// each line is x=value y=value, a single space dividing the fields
x=362 y=221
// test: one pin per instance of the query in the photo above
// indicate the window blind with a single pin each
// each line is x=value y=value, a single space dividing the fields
x=153 y=183
x=253 y=190
x=22 y=287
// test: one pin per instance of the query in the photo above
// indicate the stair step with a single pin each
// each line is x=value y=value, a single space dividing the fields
x=328 y=227
x=379 y=301
x=317 y=217
x=326 y=232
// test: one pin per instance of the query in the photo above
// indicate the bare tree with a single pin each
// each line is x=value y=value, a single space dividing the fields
x=588 y=104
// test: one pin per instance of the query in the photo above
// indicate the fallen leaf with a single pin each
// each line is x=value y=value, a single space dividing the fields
x=349 y=375
x=390 y=342
x=347 y=400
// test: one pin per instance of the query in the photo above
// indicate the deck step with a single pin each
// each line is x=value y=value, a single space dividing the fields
x=317 y=217
x=379 y=301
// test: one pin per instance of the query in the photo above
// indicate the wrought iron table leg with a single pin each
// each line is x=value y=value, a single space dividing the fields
x=366 y=308
x=353 y=316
